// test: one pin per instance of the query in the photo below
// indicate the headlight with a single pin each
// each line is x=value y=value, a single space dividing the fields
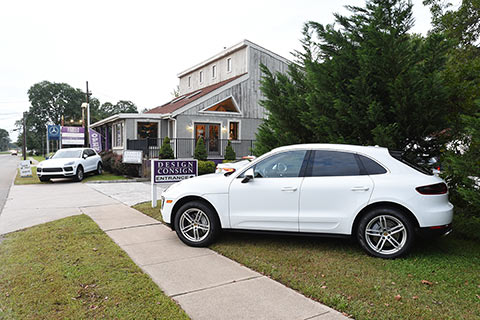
x=69 y=163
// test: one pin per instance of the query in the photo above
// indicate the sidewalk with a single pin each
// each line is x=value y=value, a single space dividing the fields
x=204 y=283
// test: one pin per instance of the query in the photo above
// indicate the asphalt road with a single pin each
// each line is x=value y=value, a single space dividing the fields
x=8 y=166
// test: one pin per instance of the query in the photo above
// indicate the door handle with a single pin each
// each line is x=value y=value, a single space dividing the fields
x=360 y=189
x=289 y=189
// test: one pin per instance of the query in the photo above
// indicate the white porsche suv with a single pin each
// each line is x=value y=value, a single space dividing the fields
x=369 y=193
x=70 y=163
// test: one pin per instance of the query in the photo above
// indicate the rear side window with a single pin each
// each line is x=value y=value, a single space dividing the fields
x=400 y=157
x=332 y=163
x=370 y=166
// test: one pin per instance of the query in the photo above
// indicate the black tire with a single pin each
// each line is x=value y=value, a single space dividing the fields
x=390 y=233
x=205 y=217
x=80 y=174
x=44 y=179
x=99 y=168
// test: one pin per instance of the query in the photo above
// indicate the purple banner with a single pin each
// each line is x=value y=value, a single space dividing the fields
x=73 y=135
x=173 y=170
x=95 y=140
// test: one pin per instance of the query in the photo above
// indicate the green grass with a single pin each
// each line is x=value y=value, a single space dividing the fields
x=70 y=269
x=339 y=274
x=38 y=158
x=27 y=180
x=35 y=180
x=103 y=177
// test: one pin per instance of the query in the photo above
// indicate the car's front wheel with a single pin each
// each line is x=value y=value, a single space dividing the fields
x=99 y=168
x=80 y=174
x=386 y=233
x=196 y=224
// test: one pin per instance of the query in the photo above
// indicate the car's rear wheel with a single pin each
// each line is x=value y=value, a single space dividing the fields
x=386 y=233
x=99 y=168
x=196 y=224
x=80 y=174
x=44 y=179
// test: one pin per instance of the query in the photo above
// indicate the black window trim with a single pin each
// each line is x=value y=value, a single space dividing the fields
x=374 y=160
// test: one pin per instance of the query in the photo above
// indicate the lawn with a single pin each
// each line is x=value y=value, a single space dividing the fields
x=440 y=279
x=27 y=180
x=105 y=176
x=35 y=180
x=70 y=269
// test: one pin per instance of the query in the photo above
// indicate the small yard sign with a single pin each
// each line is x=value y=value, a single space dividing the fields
x=132 y=156
x=168 y=171
x=25 y=169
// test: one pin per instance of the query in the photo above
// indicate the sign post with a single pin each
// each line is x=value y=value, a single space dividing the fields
x=168 y=171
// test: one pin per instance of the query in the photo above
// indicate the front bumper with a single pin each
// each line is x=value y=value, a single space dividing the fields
x=64 y=172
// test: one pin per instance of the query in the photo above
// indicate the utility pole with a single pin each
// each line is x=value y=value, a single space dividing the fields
x=87 y=125
x=24 y=136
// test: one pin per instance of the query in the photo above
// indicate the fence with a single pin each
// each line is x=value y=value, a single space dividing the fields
x=185 y=147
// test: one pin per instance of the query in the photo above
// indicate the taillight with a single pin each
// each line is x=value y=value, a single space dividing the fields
x=437 y=188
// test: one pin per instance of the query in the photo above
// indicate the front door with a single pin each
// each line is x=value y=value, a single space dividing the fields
x=270 y=200
x=211 y=134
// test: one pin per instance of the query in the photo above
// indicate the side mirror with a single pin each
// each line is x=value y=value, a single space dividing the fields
x=248 y=175
x=84 y=156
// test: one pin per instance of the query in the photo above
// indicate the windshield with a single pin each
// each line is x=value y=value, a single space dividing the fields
x=60 y=154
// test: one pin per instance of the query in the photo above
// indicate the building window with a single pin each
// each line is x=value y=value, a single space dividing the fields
x=189 y=81
x=147 y=130
x=214 y=71
x=118 y=135
x=229 y=64
x=201 y=76
x=233 y=131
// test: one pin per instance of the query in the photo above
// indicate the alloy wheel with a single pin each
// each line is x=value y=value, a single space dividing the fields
x=385 y=234
x=194 y=224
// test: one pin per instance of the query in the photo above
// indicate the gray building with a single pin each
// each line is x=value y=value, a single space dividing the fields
x=218 y=100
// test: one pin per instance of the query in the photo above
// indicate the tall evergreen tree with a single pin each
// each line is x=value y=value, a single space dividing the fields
x=364 y=80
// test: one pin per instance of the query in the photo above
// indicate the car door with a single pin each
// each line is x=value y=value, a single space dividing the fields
x=335 y=188
x=270 y=200
x=92 y=159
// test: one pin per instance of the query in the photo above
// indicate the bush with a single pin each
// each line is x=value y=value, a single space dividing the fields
x=166 y=151
x=113 y=163
x=229 y=152
x=206 y=167
x=200 y=150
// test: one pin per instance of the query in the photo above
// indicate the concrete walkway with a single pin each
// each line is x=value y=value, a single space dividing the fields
x=29 y=205
x=129 y=193
x=204 y=283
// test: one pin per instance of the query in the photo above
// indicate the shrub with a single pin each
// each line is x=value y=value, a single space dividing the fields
x=113 y=163
x=166 y=151
x=206 y=167
x=200 y=150
x=229 y=152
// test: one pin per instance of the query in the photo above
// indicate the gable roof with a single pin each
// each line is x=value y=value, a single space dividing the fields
x=187 y=98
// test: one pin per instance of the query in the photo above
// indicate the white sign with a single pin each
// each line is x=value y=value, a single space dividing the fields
x=25 y=169
x=132 y=156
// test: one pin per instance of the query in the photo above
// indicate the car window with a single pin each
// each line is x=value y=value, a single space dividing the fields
x=332 y=163
x=286 y=164
x=65 y=153
x=371 y=166
x=84 y=153
x=90 y=152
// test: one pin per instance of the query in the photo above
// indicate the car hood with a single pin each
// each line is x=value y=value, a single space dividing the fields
x=205 y=184
x=55 y=163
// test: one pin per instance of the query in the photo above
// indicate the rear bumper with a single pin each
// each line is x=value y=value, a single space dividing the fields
x=435 y=231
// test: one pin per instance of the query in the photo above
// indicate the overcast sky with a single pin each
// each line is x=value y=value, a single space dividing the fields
x=133 y=50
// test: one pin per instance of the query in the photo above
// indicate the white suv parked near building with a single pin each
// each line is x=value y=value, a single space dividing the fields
x=365 y=192
x=72 y=162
